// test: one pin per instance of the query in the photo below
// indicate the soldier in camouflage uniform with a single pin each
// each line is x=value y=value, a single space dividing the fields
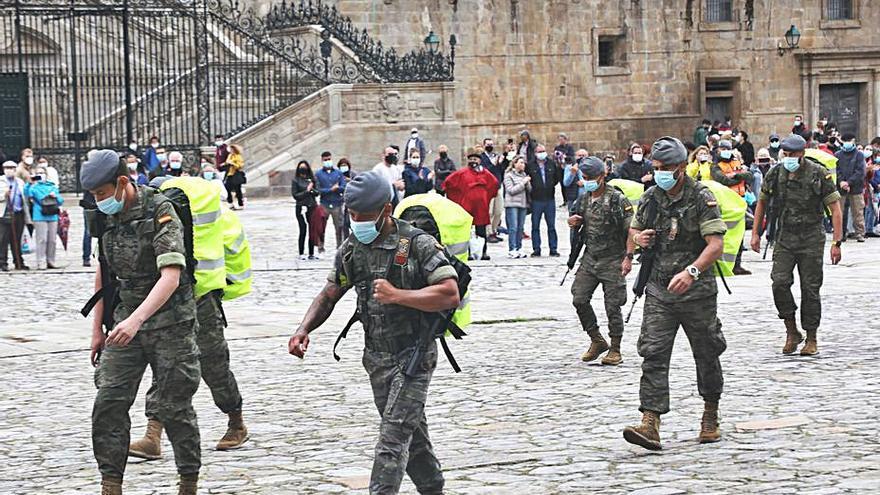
x=154 y=322
x=803 y=189
x=607 y=214
x=681 y=292
x=399 y=276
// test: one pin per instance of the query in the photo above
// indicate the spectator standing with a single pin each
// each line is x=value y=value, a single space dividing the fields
x=572 y=180
x=773 y=147
x=151 y=157
x=393 y=173
x=492 y=162
x=731 y=172
x=135 y=170
x=23 y=171
x=526 y=146
x=545 y=176
x=302 y=188
x=443 y=167
x=331 y=185
x=136 y=151
x=344 y=166
x=759 y=169
x=636 y=168
x=851 y=184
x=746 y=149
x=564 y=147
x=701 y=133
x=235 y=178
x=51 y=172
x=473 y=188
x=415 y=142
x=221 y=150
x=610 y=170
x=175 y=164
x=46 y=200
x=517 y=185
x=800 y=128
x=700 y=164
x=16 y=215
x=417 y=179
x=209 y=173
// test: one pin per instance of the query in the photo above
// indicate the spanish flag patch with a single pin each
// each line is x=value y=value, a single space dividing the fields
x=164 y=219
x=711 y=203
x=828 y=177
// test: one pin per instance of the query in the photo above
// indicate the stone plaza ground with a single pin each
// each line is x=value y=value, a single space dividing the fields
x=525 y=417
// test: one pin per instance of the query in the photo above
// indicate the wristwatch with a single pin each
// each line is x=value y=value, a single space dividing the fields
x=693 y=271
x=630 y=256
x=836 y=243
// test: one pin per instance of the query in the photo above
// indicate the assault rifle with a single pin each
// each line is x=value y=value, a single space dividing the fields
x=577 y=245
x=646 y=259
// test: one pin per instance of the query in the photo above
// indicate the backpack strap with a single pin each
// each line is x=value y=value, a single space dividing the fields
x=356 y=317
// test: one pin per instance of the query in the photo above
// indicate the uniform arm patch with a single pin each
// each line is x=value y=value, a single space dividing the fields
x=164 y=219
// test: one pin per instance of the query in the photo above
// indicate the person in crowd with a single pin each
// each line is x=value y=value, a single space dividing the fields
x=135 y=149
x=731 y=172
x=415 y=142
x=47 y=200
x=714 y=129
x=175 y=164
x=344 y=166
x=135 y=170
x=517 y=186
x=773 y=147
x=572 y=180
x=51 y=172
x=221 y=150
x=606 y=214
x=417 y=178
x=564 y=147
x=526 y=146
x=851 y=184
x=610 y=170
x=493 y=162
x=819 y=133
x=726 y=126
x=331 y=185
x=302 y=188
x=700 y=164
x=151 y=157
x=443 y=167
x=763 y=164
x=808 y=189
x=702 y=132
x=25 y=165
x=636 y=168
x=16 y=215
x=872 y=187
x=473 y=188
x=545 y=176
x=162 y=167
x=746 y=149
x=210 y=174
x=235 y=178
x=800 y=128
x=681 y=290
x=393 y=172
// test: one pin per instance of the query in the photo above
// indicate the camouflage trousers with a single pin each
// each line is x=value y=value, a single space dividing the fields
x=403 y=443
x=214 y=359
x=592 y=272
x=808 y=261
x=172 y=355
x=659 y=327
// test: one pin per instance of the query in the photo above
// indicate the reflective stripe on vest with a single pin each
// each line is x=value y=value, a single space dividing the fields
x=204 y=205
x=733 y=214
x=238 y=257
x=454 y=224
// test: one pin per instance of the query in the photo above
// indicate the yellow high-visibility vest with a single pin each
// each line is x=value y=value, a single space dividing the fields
x=238 y=257
x=204 y=205
x=631 y=189
x=454 y=224
x=827 y=161
x=733 y=214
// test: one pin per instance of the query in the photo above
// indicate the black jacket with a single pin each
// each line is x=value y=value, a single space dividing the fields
x=442 y=170
x=544 y=190
x=299 y=191
x=634 y=171
x=851 y=169
x=493 y=166
x=748 y=152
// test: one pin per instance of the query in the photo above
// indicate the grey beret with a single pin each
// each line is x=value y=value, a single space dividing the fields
x=794 y=142
x=591 y=167
x=724 y=143
x=669 y=151
x=100 y=169
x=774 y=136
x=368 y=192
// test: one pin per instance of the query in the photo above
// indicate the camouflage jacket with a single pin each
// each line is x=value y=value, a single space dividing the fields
x=682 y=223
x=607 y=220
x=404 y=258
x=138 y=243
x=803 y=196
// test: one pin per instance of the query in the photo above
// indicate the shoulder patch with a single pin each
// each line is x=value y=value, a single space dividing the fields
x=628 y=208
x=402 y=254
x=711 y=203
x=828 y=177
x=164 y=219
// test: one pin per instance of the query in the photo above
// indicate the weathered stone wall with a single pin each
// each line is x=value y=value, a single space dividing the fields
x=532 y=63
x=353 y=121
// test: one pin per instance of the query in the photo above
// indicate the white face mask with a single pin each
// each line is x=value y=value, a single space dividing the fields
x=703 y=158
x=218 y=143
x=637 y=157
x=415 y=135
x=415 y=161
x=132 y=166
x=154 y=145
x=133 y=146
x=9 y=172
x=28 y=160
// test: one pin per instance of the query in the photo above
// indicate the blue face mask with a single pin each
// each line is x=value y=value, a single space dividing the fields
x=343 y=169
x=725 y=154
x=591 y=185
x=665 y=179
x=328 y=164
x=209 y=175
x=111 y=205
x=877 y=159
x=774 y=144
x=791 y=163
x=849 y=146
x=175 y=165
x=366 y=232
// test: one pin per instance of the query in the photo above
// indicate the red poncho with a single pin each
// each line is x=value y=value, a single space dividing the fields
x=472 y=190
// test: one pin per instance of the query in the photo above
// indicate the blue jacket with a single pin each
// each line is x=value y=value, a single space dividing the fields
x=851 y=169
x=325 y=179
x=416 y=180
x=37 y=192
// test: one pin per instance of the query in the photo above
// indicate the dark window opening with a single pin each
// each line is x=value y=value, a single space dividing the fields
x=606 y=52
x=839 y=10
x=719 y=85
x=719 y=11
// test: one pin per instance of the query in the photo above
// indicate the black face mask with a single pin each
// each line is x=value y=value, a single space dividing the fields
x=303 y=172
x=489 y=148
x=391 y=159
x=444 y=154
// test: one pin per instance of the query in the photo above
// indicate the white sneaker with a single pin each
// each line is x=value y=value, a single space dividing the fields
x=520 y=254
x=512 y=254
x=303 y=257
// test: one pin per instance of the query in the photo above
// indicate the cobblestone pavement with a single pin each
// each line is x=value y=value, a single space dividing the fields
x=525 y=416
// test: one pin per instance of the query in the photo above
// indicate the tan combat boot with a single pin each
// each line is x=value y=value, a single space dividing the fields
x=810 y=348
x=236 y=433
x=189 y=484
x=792 y=336
x=647 y=434
x=149 y=447
x=111 y=486
x=709 y=432
x=597 y=346
x=613 y=358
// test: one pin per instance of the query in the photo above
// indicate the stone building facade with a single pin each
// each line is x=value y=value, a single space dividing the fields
x=608 y=72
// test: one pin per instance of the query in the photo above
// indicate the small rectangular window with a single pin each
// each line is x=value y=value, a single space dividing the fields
x=606 y=52
x=719 y=85
x=838 y=10
x=719 y=11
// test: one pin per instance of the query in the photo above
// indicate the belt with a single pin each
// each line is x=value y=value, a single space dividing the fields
x=391 y=345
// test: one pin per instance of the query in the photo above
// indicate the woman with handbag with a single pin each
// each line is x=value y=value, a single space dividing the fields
x=235 y=177
x=47 y=202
